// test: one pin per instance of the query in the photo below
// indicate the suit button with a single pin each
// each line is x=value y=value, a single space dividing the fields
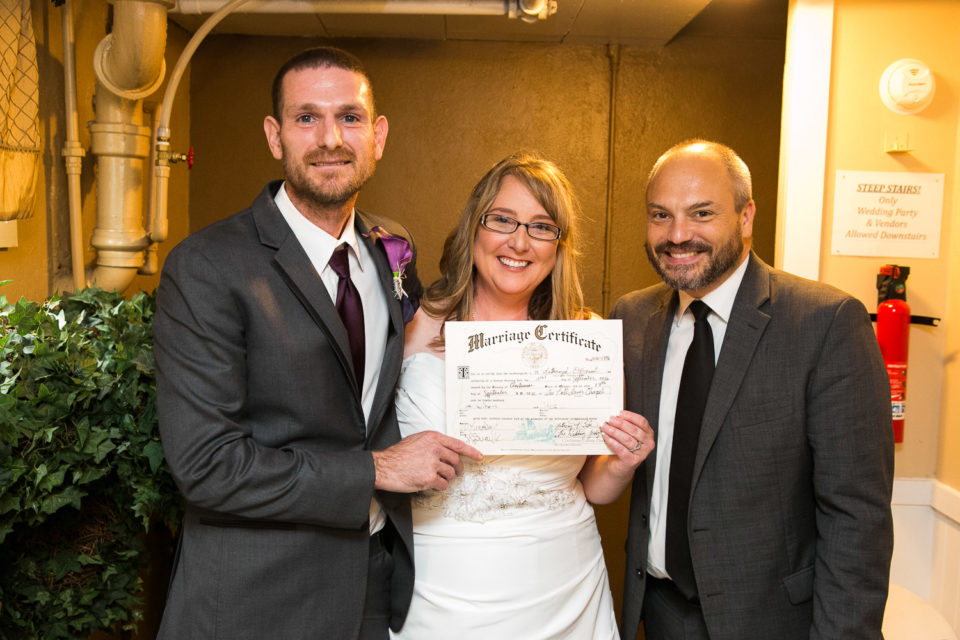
x=640 y=573
x=643 y=521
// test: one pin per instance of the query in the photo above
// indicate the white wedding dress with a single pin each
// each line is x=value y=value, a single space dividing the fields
x=510 y=551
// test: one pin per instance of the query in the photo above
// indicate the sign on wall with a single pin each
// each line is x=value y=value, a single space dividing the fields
x=887 y=213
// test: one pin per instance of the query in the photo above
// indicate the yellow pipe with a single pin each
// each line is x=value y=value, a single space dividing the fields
x=129 y=66
x=72 y=151
x=613 y=53
x=129 y=61
x=121 y=143
x=416 y=7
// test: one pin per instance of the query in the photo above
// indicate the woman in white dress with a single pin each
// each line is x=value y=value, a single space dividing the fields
x=510 y=550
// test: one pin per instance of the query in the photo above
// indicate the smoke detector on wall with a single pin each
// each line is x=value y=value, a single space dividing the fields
x=907 y=86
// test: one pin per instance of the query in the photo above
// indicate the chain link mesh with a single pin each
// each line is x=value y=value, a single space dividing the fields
x=19 y=109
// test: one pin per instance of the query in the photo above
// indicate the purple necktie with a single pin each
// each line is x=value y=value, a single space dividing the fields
x=691 y=400
x=350 y=309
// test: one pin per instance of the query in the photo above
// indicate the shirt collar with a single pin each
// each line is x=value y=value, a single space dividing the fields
x=720 y=300
x=321 y=244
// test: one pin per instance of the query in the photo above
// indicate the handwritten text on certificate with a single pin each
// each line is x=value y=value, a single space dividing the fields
x=533 y=387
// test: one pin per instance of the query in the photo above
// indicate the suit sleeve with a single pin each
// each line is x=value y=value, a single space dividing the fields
x=850 y=434
x=206 y=421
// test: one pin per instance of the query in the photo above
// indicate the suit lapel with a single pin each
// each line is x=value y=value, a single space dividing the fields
x=654 y=358
x=744 y=330
x=393 y=349
x=302 y=278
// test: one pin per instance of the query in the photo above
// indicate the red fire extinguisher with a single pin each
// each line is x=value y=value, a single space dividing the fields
x=893 y=334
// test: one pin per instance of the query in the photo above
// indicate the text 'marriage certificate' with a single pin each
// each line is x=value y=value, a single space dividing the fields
x=533 y=387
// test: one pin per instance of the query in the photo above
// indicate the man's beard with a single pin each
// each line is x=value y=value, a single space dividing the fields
x=721 y=259
x=327 y=192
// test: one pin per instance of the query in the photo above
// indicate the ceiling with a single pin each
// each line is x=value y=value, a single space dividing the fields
x=642 y=23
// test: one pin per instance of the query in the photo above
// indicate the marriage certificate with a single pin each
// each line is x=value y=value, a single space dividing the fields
x=533 y=387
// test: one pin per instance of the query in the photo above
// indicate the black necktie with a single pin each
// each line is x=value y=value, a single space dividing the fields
x=350 y=309
x=691 y=400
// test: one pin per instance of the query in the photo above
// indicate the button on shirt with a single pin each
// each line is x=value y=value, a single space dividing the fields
x=319 y=246
x=720 y=301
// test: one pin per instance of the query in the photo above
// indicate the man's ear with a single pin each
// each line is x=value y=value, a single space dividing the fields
x=746 y=220
x=380 y=128
x=271 y=128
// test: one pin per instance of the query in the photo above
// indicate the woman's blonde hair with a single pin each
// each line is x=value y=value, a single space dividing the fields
x=559 y=296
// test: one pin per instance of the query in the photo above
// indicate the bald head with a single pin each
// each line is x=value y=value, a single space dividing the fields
x=741 y=183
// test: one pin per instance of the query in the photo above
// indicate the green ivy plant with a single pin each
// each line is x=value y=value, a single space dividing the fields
x=82 y=474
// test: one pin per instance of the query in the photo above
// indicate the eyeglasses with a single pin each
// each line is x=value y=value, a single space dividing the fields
x=505 y=224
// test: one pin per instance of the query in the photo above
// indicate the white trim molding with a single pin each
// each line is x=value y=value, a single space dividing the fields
x=803 y=137
x=945 y=500
x=926 y=548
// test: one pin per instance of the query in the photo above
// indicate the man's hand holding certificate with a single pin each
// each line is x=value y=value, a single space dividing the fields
x=533 y=387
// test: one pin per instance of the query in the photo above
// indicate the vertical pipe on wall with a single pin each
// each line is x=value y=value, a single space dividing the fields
x=151 y=263
x=613 y=53
x=157 y=212
x=72 y=151
x=121 y=143
x=129 y=66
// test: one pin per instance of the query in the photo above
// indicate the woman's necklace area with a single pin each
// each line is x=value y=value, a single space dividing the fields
x=476 y=318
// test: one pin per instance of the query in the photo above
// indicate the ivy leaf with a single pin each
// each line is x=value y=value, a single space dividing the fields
x=9 y=502
x=103 y=449
x=153 y=451
x=70 y=496
x=36 y=593
x=87 y=475
x=63 y=563
x=17 y=468
x=92 y=444
x=41 y=473
x=44 y=394
x=52 y=480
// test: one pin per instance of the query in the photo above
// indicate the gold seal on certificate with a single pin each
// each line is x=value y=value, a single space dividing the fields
x=534 y=354
x=533 y=387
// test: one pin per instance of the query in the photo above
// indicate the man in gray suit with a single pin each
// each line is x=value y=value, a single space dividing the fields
x=278 y=341
x=771 y=518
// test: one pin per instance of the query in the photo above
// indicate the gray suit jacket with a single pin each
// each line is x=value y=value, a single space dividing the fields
x=790 y=524
x=262 y=426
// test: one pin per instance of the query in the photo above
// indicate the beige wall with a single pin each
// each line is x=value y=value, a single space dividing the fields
x=866 y=41
x=948 y=460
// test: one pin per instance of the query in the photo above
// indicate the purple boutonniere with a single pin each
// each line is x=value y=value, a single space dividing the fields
x=399 y=255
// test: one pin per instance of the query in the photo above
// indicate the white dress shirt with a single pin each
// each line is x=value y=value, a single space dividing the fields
x=720 y=301
x=319 y=246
